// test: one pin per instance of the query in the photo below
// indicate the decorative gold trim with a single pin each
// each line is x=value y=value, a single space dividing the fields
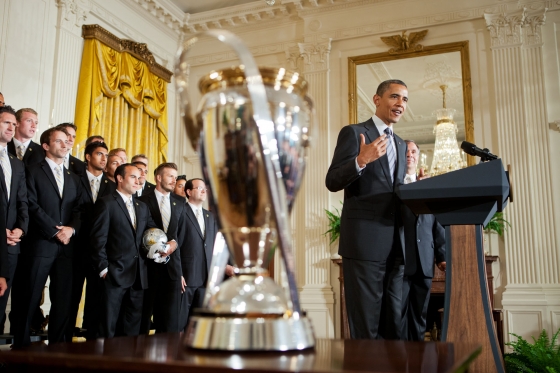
x=138 y=50
x=462 y=47
x=405 y=43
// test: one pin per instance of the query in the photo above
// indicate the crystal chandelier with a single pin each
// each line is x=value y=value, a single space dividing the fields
x=447 y=155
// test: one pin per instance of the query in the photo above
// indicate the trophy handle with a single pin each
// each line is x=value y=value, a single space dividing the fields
x=267 y=146
x=220 y=256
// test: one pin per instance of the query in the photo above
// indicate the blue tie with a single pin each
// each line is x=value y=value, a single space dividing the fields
x=390 y=152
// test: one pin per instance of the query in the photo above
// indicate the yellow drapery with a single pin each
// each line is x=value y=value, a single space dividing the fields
x=121 y=100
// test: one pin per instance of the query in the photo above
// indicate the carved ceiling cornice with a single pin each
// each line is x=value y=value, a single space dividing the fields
x=138 y=50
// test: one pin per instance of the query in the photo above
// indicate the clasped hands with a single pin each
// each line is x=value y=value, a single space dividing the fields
x=13 y=236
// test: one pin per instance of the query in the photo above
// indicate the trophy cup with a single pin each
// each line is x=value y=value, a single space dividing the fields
x=253 y=166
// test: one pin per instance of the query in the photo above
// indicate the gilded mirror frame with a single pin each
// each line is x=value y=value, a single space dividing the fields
x=462 y=47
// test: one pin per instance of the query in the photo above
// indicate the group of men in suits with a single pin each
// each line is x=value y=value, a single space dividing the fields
x=382 y=243
x=73 y=222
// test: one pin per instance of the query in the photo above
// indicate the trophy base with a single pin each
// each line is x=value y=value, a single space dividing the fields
x=242 y=333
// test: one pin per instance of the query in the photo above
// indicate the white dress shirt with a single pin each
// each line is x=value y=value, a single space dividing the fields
x=381 y=128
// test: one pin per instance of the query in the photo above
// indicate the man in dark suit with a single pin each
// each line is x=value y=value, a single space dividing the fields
x=166 y=281
x=368 y=163
x=54 y=196
x=94 y=185
x=15 y=214
x=141 y=161
x=116 y=238
x=4 y=269
x=21 y=145
x=70 y=162
x=197 y=247
x=423 y=239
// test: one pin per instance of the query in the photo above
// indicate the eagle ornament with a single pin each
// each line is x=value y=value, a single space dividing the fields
x=405 y=43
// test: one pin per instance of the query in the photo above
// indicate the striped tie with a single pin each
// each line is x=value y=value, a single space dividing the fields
x=94 y=187
x=21 y=152
x=390 y=152
x=131 y=212
x=5 y=162
x=165 y=210
x=59 y=179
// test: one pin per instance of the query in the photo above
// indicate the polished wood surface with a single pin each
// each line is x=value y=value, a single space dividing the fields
x=165 y=353
x=469 y=316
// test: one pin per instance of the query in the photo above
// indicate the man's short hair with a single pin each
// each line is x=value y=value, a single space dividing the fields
x=384 y=86
x=133 y=159
x=159 y=169
x=182 y=177
x=7 y=109
x=67 y=125
x=121 y=170
x=91 y=148
x=189 y=184
x=112 y=156
x=136 y=163
x=92 y=138
x=116 y=150
x=20 y=112
x=413 y=142
x=46 y=136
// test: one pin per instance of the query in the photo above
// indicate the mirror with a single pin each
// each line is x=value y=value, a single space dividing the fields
x=423 y=71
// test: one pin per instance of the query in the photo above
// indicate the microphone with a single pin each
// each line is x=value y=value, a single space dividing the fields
x=472 y=149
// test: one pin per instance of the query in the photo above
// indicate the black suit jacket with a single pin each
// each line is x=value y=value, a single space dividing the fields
x=175 y=229
x=33 y=155
x=4 y=265
x=196 y=249
x=146 y=189
x=47 y=210
x=371 y=208
x=421 y=234
x=115 y=244
x=16 y=214
x=107 y=187
x=76 y=166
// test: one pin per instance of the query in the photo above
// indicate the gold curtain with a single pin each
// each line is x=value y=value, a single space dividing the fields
x=120 y=99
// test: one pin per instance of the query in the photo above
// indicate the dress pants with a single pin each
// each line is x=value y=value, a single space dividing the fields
x=373 y=292
x=416 y=297
x=121 y=309
x=162 y=300
x=12 y=263
x=192 y=299
x=35 y=271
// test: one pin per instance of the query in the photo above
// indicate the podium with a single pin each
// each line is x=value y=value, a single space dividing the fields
x=463 y=201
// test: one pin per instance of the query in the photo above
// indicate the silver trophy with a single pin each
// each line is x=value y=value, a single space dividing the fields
x=254 y=166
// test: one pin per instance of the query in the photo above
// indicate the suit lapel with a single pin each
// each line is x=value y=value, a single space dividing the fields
x=120 y=202
x=191 y=216
x=86 y=186
x=47 y=170
x=103 y=186
x=3 y=182
x=154 y=206
x=67 y=181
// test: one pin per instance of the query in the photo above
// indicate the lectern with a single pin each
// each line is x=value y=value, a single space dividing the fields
x=463 y=201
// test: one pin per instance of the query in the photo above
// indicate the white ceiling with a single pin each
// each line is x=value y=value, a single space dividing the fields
x=197 y=6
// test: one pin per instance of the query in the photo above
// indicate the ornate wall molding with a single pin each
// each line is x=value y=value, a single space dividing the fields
x=315 y=55
x=165 y=12
x=138 y=50
x=73 y=12
x=521 y=27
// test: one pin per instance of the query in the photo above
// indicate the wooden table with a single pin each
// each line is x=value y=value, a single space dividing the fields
x=165 y=353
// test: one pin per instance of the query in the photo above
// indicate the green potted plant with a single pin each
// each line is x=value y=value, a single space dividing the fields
x=497 y=224
x=334 y=224
x=541 y=356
